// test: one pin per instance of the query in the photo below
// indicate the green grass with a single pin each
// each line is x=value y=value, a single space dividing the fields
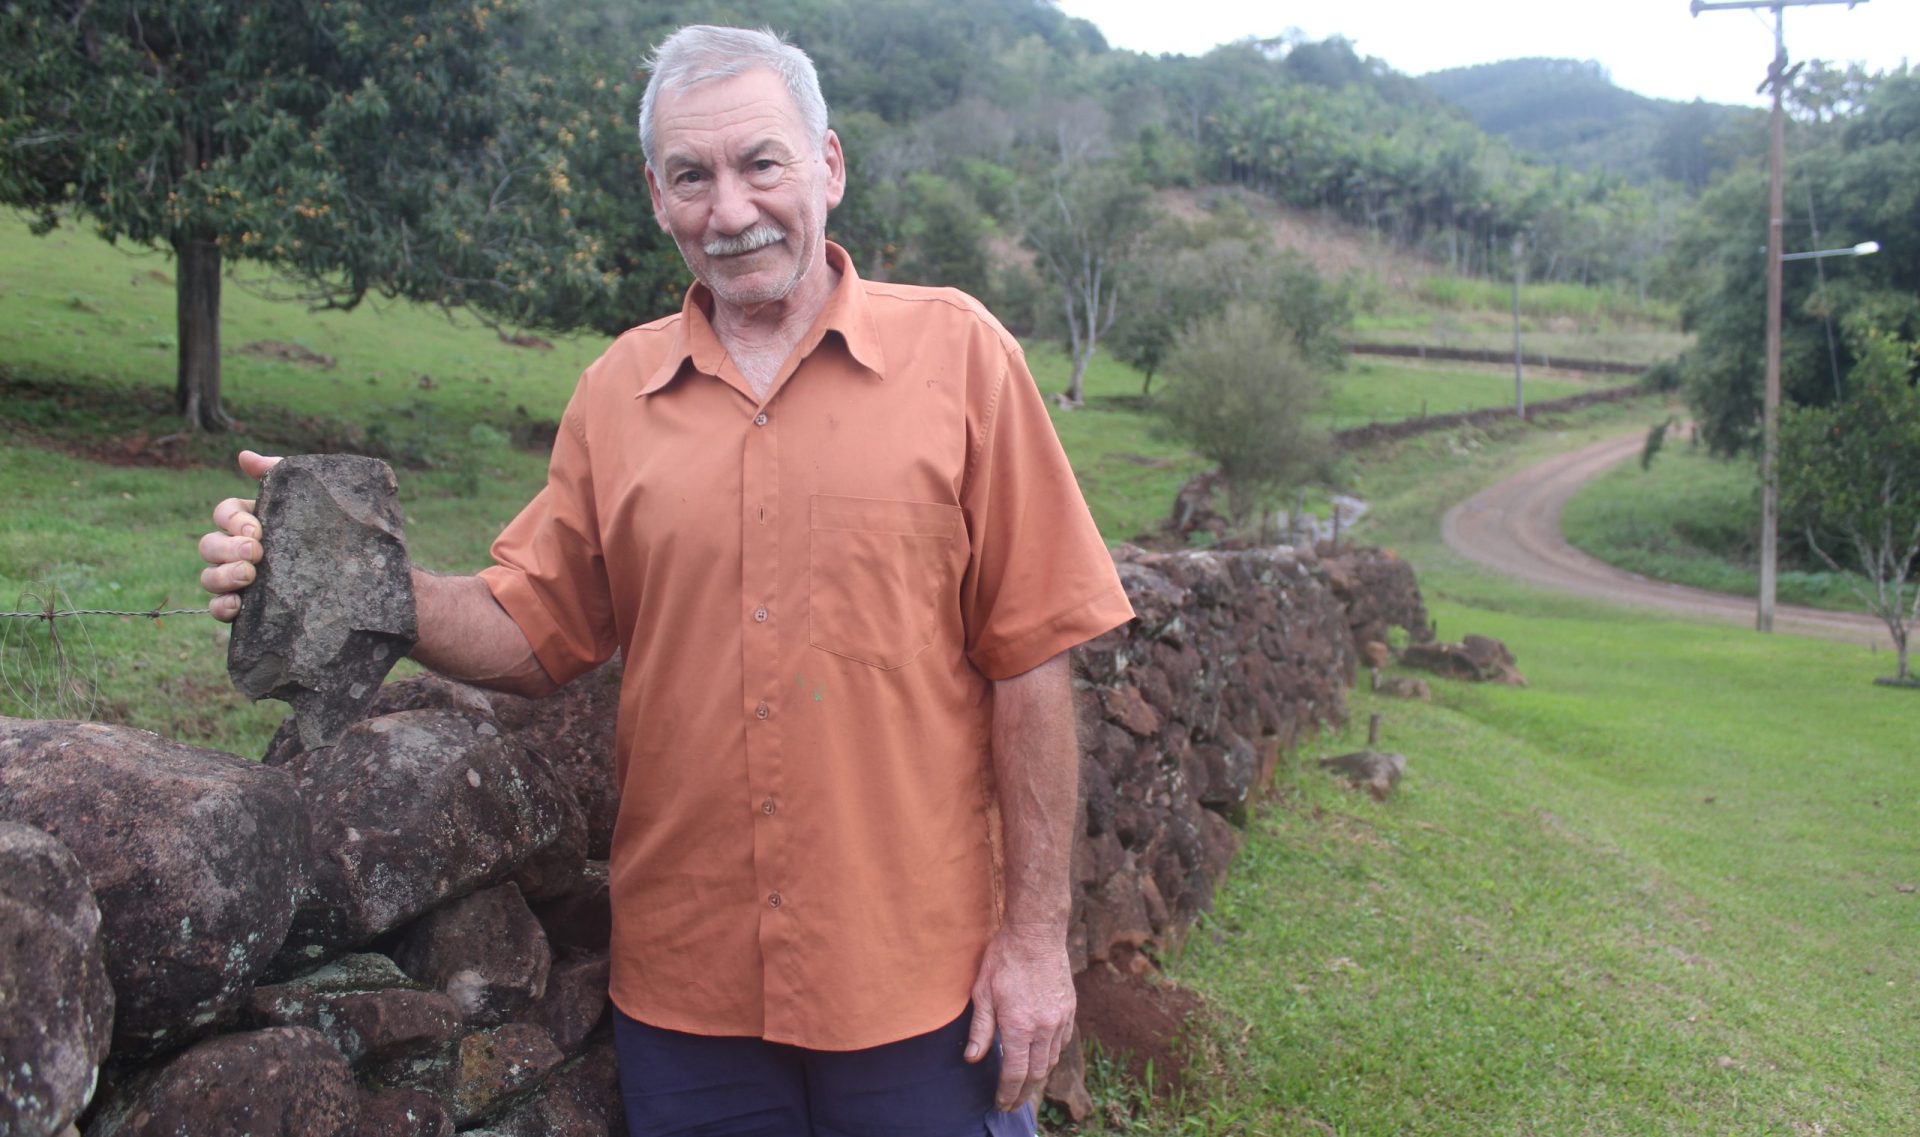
x=90 y=321
x=1128 y=472
x=1556 y=320
x=1594 y=907
x=1652 y=893
x=1488 y=331
x=88 y=317
x=1692 y=519
x=1371 y=390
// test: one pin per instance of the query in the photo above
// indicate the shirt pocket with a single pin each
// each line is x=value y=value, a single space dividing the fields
x=876 y=575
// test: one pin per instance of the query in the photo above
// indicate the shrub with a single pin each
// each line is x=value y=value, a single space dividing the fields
x=1241 y=394
x=1662 y=377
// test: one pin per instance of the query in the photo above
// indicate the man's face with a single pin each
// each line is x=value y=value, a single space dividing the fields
x=742 y=187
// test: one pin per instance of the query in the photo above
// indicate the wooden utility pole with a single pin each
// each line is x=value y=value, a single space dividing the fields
x=1777 y=78
x=1519 y=388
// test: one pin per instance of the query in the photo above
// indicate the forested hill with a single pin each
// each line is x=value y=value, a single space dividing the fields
x=962 y=118
x=1569 y=111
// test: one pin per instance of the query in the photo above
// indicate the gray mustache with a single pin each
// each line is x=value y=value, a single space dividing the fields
x=758 y=237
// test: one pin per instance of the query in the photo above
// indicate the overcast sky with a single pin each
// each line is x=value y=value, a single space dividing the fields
x=1654 y=47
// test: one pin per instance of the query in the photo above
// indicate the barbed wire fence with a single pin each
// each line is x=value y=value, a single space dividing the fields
x=48 y=667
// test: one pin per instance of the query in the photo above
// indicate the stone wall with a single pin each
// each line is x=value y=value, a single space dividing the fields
x=405 y=933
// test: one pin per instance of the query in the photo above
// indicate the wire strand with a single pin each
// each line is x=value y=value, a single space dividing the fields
x=151 y=613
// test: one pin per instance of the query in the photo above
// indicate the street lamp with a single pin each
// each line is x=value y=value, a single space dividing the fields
x=1770 y=417
x=1864 y=248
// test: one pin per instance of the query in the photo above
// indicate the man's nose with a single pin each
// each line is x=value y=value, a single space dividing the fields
x=733 y=209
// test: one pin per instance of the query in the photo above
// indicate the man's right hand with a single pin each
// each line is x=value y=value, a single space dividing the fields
x=234 y=548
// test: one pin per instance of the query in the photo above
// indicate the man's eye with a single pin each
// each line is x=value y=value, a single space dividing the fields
x=687 y=177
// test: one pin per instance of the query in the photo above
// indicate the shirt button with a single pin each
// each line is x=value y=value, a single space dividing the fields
x=773 y=900
x=762 y=711
x=760 y=615
x=766 y=807
x=760 y=419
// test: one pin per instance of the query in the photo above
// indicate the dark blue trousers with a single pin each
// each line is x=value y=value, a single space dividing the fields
x=699 y=1086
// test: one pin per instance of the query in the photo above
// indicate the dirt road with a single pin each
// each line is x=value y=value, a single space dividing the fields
x=1513 y=527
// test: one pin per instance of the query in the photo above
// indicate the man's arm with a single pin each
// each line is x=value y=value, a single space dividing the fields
x=1025 y=986
x=464 y=633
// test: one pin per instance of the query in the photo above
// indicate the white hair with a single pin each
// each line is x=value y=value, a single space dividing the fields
x=700 y=52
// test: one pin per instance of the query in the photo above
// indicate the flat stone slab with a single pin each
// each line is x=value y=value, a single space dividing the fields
x=331 y=610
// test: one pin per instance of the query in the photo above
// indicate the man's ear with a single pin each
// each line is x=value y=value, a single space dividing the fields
x=836 y=169
x=659 y=209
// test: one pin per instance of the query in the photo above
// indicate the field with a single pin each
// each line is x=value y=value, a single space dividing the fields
x=1488 y=331
x=1555 y=320
x=1373 y=390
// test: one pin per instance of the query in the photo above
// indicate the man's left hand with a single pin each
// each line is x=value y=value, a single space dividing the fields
x=1025 y=990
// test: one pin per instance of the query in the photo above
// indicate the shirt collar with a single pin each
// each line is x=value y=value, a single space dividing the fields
x=847 y=314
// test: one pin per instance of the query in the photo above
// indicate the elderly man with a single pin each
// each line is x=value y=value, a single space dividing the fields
x=828 y=525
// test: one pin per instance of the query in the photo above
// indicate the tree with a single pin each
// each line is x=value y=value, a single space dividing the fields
x=1189 y=274
x=1858 y=178
x=1241 y=394
x=355 y=146
x=1082 y=221
x=1850 y=474
x=946 y=237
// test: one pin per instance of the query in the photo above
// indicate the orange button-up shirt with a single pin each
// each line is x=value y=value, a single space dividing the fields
x=813 y=592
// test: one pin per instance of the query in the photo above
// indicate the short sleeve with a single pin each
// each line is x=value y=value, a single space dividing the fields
x=549 y=571
x=1039 y=579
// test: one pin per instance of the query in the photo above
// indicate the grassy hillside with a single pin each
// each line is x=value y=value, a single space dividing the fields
x=97 y=319
x=1664 y=889
x=1565 y=320
x=1401 y=297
